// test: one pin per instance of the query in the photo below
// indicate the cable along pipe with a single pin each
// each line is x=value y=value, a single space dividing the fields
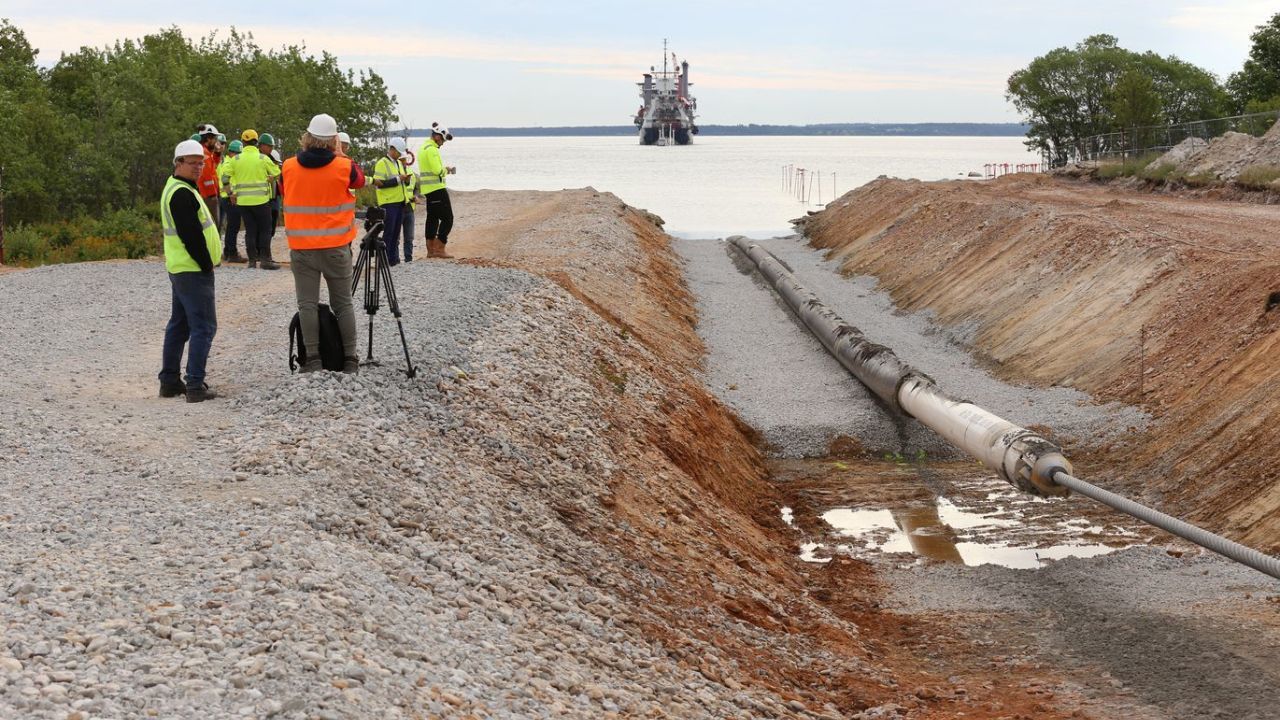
x=1024 y=459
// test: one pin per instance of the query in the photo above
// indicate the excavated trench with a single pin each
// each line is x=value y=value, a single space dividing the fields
x=862 y=564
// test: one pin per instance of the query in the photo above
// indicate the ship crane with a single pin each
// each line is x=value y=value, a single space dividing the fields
x=667 y=109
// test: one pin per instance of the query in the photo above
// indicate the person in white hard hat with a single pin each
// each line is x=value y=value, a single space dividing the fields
x=390 y=178
x=191 y=250
x=344 y=141
x=320 y=223
x=431 y=182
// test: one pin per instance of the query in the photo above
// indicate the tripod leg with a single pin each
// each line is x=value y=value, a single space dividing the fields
x=394 y=303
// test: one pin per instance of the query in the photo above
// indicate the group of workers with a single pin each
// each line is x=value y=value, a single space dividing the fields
x=218 y=186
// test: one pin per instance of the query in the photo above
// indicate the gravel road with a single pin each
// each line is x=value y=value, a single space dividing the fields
x=325 y=546
x=774 y=373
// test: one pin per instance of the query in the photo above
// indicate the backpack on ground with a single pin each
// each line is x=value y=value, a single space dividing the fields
x=331 y=354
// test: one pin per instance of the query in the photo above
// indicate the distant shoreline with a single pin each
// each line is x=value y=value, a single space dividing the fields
x=828 y=129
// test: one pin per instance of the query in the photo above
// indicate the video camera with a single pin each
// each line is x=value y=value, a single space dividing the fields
x=374 y=215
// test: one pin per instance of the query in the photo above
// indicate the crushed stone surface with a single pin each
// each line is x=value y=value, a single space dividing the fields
x=322 y=546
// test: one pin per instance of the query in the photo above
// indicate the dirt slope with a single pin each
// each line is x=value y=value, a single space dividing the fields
x=1158 y=300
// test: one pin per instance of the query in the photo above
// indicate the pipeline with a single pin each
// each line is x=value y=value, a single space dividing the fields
x=1024 y=459
x=1021 y=457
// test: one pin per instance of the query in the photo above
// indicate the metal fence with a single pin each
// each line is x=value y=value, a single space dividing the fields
x=1139 y=141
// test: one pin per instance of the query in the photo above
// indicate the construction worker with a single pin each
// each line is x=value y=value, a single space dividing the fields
x=410 y=197
x=390 y=177
x=230 y=211
x=319 y=223
x=191 y=250
x=209 y=175
x=345 y=141
x=431 y=174
x=252 y=177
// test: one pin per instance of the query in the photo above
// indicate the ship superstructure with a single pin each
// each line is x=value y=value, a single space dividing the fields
x=667 y=110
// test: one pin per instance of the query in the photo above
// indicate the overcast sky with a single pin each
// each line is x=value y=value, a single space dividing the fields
x=573 y=62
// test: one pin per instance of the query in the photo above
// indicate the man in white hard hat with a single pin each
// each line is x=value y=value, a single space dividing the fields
x=390 y=177
x=344 y=141
x=431 y=175
x=191 y=250
x=320 y=223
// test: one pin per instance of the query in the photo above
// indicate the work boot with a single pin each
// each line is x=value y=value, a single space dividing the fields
x=312 y=365
x=351 y=365
x=200 y=394
x=435 y=249
x=172 y=389
x=269 y=265
x=235 y=258
x=252 y=264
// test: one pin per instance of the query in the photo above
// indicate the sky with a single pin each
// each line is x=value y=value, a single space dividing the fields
x=573 y=62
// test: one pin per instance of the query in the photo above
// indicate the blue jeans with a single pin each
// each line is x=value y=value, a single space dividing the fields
x=192 y=322
x=391 y=231
x=406 y=225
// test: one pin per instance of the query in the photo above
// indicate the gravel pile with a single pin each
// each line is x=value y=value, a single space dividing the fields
x=770 y=369
x=326 y=546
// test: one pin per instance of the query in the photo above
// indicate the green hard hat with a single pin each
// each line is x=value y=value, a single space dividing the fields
x=266 y=139
x=196 y=137
x=222 y=138
x=235 y=146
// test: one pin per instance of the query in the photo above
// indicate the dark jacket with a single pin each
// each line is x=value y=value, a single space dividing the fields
x=319 y=158
x=184 y=208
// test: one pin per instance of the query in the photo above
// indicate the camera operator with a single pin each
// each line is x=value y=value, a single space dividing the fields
x=431 y=174
x=319 y=222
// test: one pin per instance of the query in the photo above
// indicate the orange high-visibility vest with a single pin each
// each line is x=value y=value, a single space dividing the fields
x=319 y=212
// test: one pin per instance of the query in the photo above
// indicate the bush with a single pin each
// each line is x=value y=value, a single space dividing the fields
x=1159 y=173
x=1126 y=168
x=1258 y=177
x=25 y=245
x=119 y=234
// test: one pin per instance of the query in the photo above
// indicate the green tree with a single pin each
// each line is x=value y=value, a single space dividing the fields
x=1259 y=79
x=1135 y=106
x=1063 y=94
x=1070 y=94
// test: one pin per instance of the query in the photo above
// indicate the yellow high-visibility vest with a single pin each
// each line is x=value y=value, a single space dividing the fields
x=176 y=257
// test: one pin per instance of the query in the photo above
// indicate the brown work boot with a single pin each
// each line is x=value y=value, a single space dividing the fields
x=269 y=265
x=435 y=249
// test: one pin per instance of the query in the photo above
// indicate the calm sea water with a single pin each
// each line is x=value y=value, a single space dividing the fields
x=719 y=186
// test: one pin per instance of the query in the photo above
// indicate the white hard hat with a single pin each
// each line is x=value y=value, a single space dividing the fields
x=441 y=130
x=275 y=155
x=344 y=138
x=323 y=126
x=188 y=147
x=398 y=144
x=209 y=130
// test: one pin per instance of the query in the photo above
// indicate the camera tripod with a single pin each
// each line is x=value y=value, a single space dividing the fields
x=372 y=266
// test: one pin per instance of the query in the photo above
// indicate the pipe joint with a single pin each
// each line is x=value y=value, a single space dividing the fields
x=1031 y=462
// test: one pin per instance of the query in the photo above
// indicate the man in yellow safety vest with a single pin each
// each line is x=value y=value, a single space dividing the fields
x=191 y=250
x=252 y=179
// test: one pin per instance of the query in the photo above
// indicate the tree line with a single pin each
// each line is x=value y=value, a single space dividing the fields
x=1097 y=87
x=95 y=131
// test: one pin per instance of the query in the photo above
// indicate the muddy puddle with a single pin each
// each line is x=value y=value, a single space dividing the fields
x=948 y=513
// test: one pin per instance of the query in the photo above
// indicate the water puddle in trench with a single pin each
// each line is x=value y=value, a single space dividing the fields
x=949 y=515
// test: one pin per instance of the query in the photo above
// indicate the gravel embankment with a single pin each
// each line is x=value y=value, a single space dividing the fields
x=777 y=376
x=324 y=546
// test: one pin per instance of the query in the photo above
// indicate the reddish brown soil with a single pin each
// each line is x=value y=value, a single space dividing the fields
x=1159 y=300
x=695 y=513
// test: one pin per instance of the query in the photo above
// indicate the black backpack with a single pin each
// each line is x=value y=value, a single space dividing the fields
x=331 y=354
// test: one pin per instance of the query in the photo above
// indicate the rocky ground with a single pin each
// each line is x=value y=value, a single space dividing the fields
x=555 y=518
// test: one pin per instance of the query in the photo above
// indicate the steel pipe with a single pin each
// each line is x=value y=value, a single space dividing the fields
x=1024 y=459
